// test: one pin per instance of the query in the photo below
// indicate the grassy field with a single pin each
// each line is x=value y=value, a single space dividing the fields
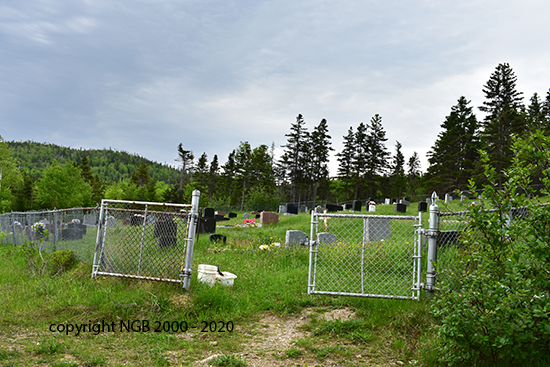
x=266 y=319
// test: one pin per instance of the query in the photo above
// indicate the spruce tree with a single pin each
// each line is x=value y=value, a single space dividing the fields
x=213 y=177
x=414 y=174
x=397 y=178
x=454 y=155
x=319 y=151
x=377 y=159
x=345 y=161
x=503 y=106
x=294 y=158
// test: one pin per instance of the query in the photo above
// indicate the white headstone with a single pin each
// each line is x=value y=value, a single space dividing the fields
x=372 y=208
x=387 y=201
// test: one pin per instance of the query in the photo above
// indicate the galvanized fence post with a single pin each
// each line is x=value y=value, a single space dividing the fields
x=13 y=229
x=432 y=243
x=191 y=228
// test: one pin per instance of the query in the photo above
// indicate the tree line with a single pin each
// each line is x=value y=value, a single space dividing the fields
x=34 y=176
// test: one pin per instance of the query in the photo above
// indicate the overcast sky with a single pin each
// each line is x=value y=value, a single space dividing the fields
x=143 y=76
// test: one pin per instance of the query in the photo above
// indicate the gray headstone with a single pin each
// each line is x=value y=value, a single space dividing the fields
x=295 y=237
x=282 y=209
x=89 y=220
x=377 y=229
x=319 y=209
x=462 y=198
x=428 y=201
x=246 y=216
x=326 y=238
x=448 y=198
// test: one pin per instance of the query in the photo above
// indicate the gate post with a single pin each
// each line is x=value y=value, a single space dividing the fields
x=191 y=228
x=432 y=243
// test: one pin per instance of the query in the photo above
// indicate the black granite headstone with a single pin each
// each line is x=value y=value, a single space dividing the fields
x=422 y=206
x=357 y=205
x=400 y=208
x=292 y=208
x=209 y=212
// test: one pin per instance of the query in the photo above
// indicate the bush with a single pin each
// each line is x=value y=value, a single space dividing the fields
x=499 y=313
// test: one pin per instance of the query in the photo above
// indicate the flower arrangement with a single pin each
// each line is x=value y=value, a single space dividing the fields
x=40 y=229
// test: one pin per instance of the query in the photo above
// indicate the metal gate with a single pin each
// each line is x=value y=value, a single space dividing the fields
x=146 y=240
x=365 y=255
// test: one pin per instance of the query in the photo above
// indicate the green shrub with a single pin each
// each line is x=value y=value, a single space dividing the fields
x=62 y=260
x=498 y=314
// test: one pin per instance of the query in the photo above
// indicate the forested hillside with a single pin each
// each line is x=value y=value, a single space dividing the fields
x=109 y=165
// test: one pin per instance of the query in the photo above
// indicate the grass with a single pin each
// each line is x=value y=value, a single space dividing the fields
x=270 y=282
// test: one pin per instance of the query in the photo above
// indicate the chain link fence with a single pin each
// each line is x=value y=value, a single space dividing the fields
x=72 y=229
x=364 y=255
x=144 y=240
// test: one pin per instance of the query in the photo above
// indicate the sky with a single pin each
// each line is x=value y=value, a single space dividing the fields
x=144 y=76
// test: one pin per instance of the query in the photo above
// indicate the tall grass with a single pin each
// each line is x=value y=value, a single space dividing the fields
x=272 y=281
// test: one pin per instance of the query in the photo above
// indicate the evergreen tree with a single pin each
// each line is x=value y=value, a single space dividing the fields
x=319 y=151
x=294 y=158
x=201 y=173
x=361 y=157
x=454 y=155
x=413 y=174
x=377 y=158
x=227 y=177
x=141 y=177
x=346 y=161
x=213 y=174
x=503 y=107
x=397 y=178
x=243 y=169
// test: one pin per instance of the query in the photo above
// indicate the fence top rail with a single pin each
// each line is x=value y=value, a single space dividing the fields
x=332 y=215
x=145 y=203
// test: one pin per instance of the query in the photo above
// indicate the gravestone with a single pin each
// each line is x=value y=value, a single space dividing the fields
x=357 y=205
x=462 y=198
x=319 y=209
x=282 y=209
x=232 y=215
x=165 y=228
x=422 y=206
x=372 y=208
x=405 y=201
x=400 y=208
x=348 y=206
x=428 y=201
x=164 y=242
x=292 y=208
x=377 y=228
x=334 y=208
x=326 y=238
x=246 y=216
x=303 y=209
x=448 y=198
x=207 y=225
x=269 y=218
x=295 y=237
x=136 y=220
x=90 y=220
x=209 y=213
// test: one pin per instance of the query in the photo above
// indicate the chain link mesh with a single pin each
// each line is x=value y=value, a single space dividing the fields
x=363 y=255
x=53 y=230
x=142 y=240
